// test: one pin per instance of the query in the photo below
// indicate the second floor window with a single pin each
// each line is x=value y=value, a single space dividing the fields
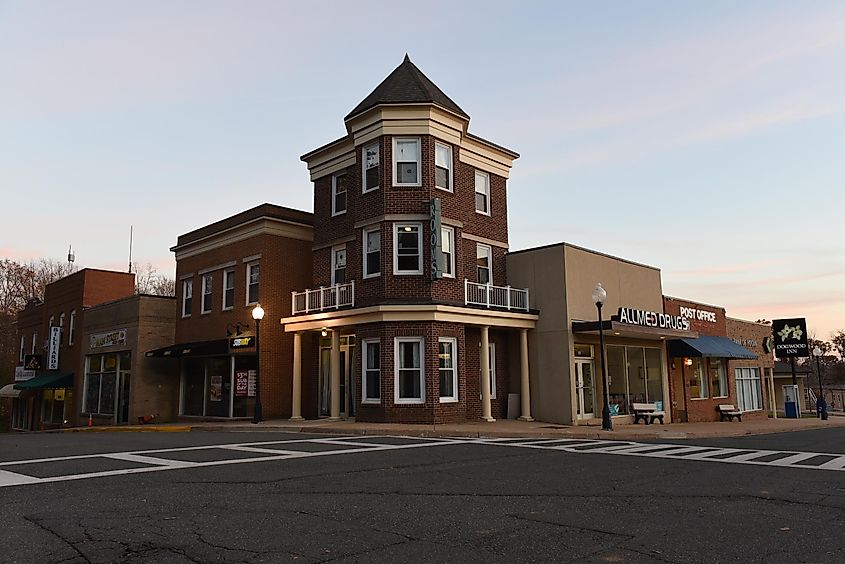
x=23 y=340
x=443 y=166
x=34 y=340
x=372 y=252
x=482 y=192
x=338 y=194
x=371 y=167
x=406 y=160
x=229 y=289
x=207 y=292
x=484 y=261
x=407 y=248
x=187 y=297
x=447 y=243
x=252 y=272
x=71 y=331
x=338 y=265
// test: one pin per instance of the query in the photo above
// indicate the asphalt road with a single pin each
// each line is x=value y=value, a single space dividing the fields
x=266 y=497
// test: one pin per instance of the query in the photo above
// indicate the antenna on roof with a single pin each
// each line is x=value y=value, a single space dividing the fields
x=70 y=256
x=130 y=249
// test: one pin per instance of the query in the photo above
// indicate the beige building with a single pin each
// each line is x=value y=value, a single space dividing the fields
x=564 y=348
x=120 y=384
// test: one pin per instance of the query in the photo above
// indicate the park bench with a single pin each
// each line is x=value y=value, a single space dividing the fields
x=728 y=411
x=648 y=413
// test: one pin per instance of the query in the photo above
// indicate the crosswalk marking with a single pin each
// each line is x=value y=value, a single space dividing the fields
x=140 y=459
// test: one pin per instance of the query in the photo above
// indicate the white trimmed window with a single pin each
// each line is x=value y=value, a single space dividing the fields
x=52 y=321
x=484 y=262
x=749 y=391
x=338 y=194
x=447 y=358
x=409 y=386
x=228 y=289
x=406 y=161
x=34 y=340
x=187 y=297
x=370 y=158
x=71 y=330
x=252 y=274
x=372 y=252
x=491 y=374
x=407 y=248
x=371 y=371
x=62 y=325
x=697 y=379
x=443 y=166
x=482 y=192
x=718 y=378
x=207 y=292
x=339 y=265
x=20 y=356
x=447 y=243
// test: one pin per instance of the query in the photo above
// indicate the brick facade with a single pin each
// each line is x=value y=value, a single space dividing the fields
x=751 y=336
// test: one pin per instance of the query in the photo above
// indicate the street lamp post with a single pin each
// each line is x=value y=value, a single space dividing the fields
x=599 y=296
x=257 y=315
x=820 y=403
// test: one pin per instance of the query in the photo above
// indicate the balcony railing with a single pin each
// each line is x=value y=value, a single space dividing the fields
x=322 y=299
x=487 y=295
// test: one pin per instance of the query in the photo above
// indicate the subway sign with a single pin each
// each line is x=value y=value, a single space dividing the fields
x=655 y=319
x=242 y=342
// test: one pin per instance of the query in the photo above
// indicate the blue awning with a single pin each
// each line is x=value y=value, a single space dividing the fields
x=706 y=345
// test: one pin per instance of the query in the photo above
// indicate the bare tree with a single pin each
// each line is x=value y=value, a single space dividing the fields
x=149 y=281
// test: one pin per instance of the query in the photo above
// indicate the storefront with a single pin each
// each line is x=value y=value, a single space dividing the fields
x=45 y=401
x=754 y=377
x=566 y=379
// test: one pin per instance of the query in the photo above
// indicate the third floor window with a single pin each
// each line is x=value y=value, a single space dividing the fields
x=338 y=194
x=371 y=167
x=406 y=161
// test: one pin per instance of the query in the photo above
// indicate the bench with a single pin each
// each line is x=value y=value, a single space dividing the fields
x=648 y=413
x=728 y=411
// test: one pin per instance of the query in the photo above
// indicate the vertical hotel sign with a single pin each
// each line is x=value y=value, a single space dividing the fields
x=53 y=349
x=436 y=242
x=790 y=337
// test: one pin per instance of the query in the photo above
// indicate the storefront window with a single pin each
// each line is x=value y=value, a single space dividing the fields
x=101 y=383
x=219 y=387
x=697 y=379
x=635 y=374
x=244 y=401
x=617 y=381
x=193 y=388
x=749 y=395
x=654 y=377
x=718 y=377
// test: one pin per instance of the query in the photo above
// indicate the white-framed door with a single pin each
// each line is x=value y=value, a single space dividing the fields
x=347 y=379
x=585 y=388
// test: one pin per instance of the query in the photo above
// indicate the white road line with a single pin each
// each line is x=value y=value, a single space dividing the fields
x=13 y=479
x=790 y=460
x=259 y=450
x=139 y=459
x=835 y=464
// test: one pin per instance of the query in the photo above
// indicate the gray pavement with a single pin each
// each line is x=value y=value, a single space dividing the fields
x=354 y=499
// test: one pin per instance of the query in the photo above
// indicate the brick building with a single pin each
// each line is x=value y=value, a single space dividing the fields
x=223 y=270
x=51 y=348
x=753 y=378
x=409 y=277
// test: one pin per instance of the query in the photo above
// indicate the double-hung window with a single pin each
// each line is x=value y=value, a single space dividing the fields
x=749 y=392
x=482 y=192
x=407 y=248
x=338 y=265
x=71 y=331
x=447 y=358
x=370 y=157
x=338 y=194
x=228 y=289
x=252 y=273
x=372 y=252
x=371 y=388
x=410 y=380
x=447 y=244
x=34 y=339
x=187 y=297
x=484 y=262
x=406 y=162
x=207 y=292
x=443 y=166
x=718 y=378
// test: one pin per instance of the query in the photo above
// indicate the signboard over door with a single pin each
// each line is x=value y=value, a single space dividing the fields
x=790 y=337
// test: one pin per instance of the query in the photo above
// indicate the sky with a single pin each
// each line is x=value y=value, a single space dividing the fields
x=703 y=138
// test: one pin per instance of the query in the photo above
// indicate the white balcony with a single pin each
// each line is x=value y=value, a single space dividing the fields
x=500 y=297
x=323 y=299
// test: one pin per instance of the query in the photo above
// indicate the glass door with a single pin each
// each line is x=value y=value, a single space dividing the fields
x=584 y=388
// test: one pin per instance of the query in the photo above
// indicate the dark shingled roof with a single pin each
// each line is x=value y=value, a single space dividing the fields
x=406 y=85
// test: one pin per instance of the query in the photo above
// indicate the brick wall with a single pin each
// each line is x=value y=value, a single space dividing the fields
x=751 y=335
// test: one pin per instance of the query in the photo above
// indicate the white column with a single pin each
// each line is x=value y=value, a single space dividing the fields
x=486 y=411
x=335 y=376
x=524 y=391
x=772 y=398
x=296 y=408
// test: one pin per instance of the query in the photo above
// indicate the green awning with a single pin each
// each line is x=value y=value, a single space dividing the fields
x=47 y=381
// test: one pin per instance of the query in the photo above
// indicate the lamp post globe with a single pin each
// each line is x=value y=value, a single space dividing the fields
x=821 y=405
x=257 y=315
x=599 y=297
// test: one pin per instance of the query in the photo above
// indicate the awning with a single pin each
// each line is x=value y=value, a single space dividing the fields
x=201 y=348
x=707 y=345
x=9 y=391
x=47 y=381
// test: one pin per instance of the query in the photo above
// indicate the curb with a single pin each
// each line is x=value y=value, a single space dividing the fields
x=125 y=429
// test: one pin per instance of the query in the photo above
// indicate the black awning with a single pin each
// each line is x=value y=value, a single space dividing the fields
x=47 y=381
x=708 y=345
x=200 y=348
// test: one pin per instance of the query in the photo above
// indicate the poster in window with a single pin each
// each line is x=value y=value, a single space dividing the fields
x=251 y=384
x=241 y=384
x=216 y=390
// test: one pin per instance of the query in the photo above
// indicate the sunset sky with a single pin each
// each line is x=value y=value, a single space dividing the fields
x=704 y=138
